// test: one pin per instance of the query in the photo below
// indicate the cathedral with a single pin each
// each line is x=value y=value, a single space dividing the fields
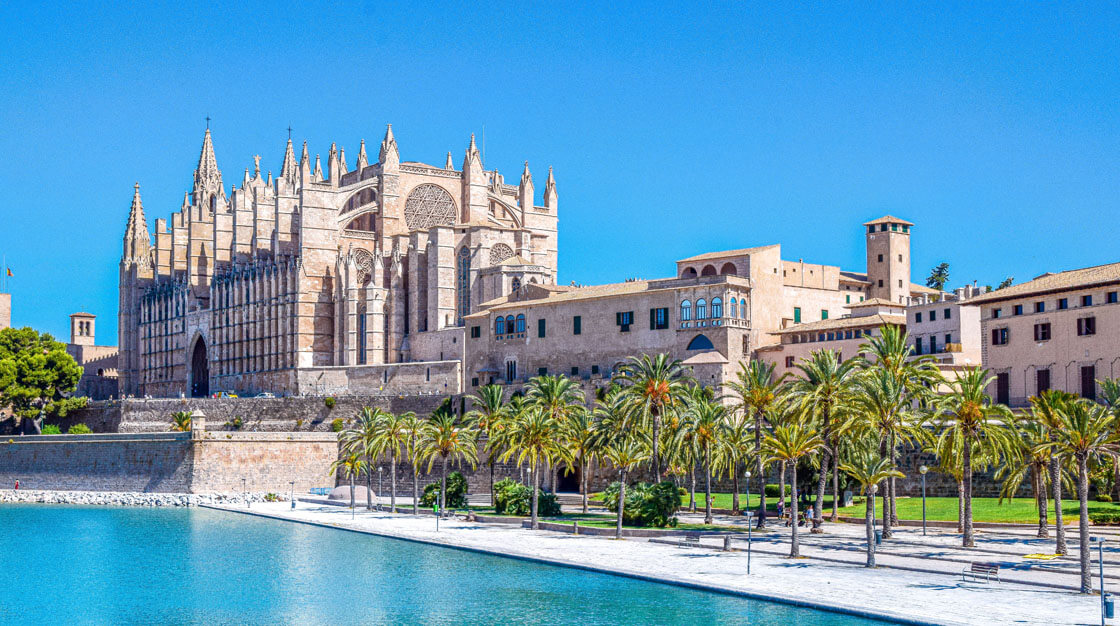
x=317 y=280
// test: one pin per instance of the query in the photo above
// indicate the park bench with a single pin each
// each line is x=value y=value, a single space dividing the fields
x=689 y=540
x=987 y=571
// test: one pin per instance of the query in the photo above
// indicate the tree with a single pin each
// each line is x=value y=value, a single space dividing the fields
x=1046 y=408
x=37 y=374
x=734 y=451
x=1005 y=283
x=625 y=453
x=486 y=415
x=654 y=385
x=181 y=421
x=1110 y=396
x=414 y=430
x=704 y=421
x=447 y=440
x=580 y=445
x=392 y=435
x=967 y=412
x=1028 y=438
x=755 y=391
x=825 y=386
x=788 y=443
x=1085 y=430
x=361 y=439
x=533 y=438
x=869 y=469
x=938 y=276
x=351 y=464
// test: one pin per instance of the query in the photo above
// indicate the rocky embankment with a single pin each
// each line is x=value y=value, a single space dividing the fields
x=123 y=498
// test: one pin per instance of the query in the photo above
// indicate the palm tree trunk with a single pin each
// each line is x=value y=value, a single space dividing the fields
x=869 y=522
x=621 y=500
x=656 y=415
x=692 y=490
x=960 y=506
x=583 y=468
x=443 y=490
x=1059 y=528
x=1083 y=523
x=735 y=486
x=758 y=470
x=782 y=485
x=966 y=484
x=886 y=495
x=1116 y=479
x=822 y=481
x=393 y=481
x=794 y=540
x=351 y=490
x=1040 y=500
x=708 y=484
x=835 y=483
x=536 y=489
x=493 y=496
x=893 y=484
x=369 y=483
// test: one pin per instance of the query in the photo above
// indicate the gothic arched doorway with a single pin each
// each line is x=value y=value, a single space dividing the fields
x=200 y=370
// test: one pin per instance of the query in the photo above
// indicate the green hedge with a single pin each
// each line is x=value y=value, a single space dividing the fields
x=52 y=429
x=514 y=498
x=1105 y=518
x=772 y=490
x=456 y=492
x=79 y=429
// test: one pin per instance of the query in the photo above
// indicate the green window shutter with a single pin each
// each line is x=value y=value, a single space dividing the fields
x=796 y=315
x=540 y=328
x=653 y=319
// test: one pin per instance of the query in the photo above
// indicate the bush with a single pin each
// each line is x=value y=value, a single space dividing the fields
x=52 y=429
x=514 y=498
x=271 y=497
x=329 y=401
x=456 y=492
x=682 y=491
x=79 y=429
x=337 y=425
x=1104 y=497
x=1104 y=518
x=235 y=423
x=772 y=490
x=645 y=505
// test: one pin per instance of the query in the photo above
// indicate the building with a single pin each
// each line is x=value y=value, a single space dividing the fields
x=720 y=309
x=5 y=310
x=325 y=281
x=945 y=326
x=1058 y=331
x=99 y=363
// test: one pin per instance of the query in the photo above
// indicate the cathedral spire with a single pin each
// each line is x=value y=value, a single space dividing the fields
x=207 y=176
x=363 y=161
x=288 y=170
x=472 y=157
x=318 y=169
x=550 y=190
x=449 y=165
x=136 y=239
x=389 y=151
x=525 y=189
x=305 y=162
x=342 y=160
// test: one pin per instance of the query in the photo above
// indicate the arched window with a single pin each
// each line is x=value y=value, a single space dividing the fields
x=516 y=285
x=701 y=309
x=743 y=309
x=709 y=270
x=520 y=322
x=734 y=308
x=728 y=268
x=500 y=326
x=700 y=342
x=688 y=272
x=686 y=311
x=717 y=308
x=509 y=324
x=464 y=283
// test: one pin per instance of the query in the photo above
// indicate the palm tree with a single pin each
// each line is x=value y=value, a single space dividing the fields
x=487 y=414
x=736 y=449
x=1085 y=430
x=967 y=412
x=447 y=440
x=351 y=465
x=704 y=421
x=414 y=429
x=826 y=385
x=756 y=392
x=362 y=439
x=533 y=437
x=580 y=438
x=788 y=443
x=625 y=453
x=1028 y=436
x=869 y=469
x=1110 y=396
x=654 y=385
x=1045 y=409
x=181 y=421
x=392 y=435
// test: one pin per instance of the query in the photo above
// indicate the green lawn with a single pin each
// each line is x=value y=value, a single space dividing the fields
x=1021 y=510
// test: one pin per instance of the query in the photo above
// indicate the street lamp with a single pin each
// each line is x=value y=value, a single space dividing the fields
x=922 y=470
x=748 y=483
x=1105 y=601
x=293 y=493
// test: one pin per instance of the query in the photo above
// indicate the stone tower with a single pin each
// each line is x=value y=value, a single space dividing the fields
x=82 y=329
x=888 y=259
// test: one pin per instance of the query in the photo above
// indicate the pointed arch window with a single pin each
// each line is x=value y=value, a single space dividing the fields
x=701 y=309
x=464 y=283
x=686 y=310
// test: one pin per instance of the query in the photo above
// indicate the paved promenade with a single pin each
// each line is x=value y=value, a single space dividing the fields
x=832 y=577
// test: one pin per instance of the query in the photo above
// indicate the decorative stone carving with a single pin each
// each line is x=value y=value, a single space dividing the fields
x=500 y=252
x=428 y=205
x=363 y=261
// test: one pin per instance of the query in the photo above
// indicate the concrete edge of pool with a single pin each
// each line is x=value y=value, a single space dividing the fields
x=782 y=599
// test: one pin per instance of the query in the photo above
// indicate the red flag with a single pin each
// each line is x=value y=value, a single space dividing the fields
x=9 y=272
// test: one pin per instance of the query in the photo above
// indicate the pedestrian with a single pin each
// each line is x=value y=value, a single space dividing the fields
x=17 y=484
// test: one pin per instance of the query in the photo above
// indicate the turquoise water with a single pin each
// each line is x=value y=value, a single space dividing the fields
x=198 y=566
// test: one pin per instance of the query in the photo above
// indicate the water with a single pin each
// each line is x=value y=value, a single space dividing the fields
x=198 y=566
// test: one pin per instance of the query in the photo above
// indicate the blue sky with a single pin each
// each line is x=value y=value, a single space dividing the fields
x=673 y=131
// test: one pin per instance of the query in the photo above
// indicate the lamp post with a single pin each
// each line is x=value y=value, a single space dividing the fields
x=922 y=470
x=748 y=484
x=1100 y=559
x=292 y=493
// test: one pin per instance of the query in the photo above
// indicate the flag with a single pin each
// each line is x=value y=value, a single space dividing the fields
x=9 y=272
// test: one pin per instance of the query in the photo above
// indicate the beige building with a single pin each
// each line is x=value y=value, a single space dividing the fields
x=99 y=363
x=1058 y=331
x=945 y=326
x=5 y=310
x=718 y=311
x=331 y=280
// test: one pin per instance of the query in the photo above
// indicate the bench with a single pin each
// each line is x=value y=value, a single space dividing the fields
x=987 y=571
x=689 y=540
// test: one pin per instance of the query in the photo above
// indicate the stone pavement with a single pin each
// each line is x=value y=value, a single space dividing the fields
x=926 y=596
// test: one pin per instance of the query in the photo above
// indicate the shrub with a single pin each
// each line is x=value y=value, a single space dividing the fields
x=772 y=490
x=682 y=491
x=1104 y=518
x=514 y=498
x=271 y=497
x=337 y=425
x=52 y=429
x=79 y=429
x=235 y=423
x=456 y=492
x=1104 y=497
x=329 y=401
x=645 y=505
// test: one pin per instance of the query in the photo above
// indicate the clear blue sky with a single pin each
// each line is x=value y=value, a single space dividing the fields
x=672 y=131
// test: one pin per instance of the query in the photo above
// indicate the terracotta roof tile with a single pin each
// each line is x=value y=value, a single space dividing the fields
x=873 y=321
x=708 y=256
x=1070 y=279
